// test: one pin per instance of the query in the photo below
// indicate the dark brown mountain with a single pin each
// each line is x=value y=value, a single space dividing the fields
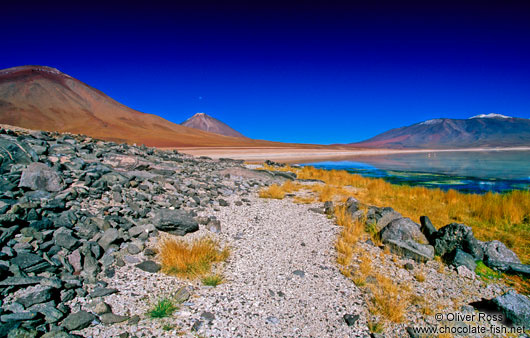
x=489 y=131
x=38 y=97
x=207 y=123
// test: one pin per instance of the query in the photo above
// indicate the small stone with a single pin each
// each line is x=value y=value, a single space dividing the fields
x=101 y=308
x=409 y=266
x=134 y=320
x=109 y=236
x=18 y=316
x=197 y=324
x=78 y=320
x=208 y=316
x=111 y=318
x=272 y=320
x=182 y=295
x=299 y=273
x=350 y=319
x=102 y=292
x=149 y=266
x=133 y=249
x=63 y=238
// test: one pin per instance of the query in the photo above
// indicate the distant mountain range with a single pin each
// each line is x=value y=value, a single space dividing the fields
x=207 y=123
x=39 y=97
x=489 y=131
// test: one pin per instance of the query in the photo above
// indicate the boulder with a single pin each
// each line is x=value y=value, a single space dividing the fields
x=177 y=222
x=497 y=251
x=427 y=228
x=512 y=268
x=38 y=176
x=515 y=307
x=460 y=258
x=403 y=229
x=13 y=151
x=457 y=236
x=411 y=249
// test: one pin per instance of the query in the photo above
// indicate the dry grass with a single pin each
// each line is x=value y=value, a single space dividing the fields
x=304 y=199
x=388 y=299
x=505 y=217
x=420 y=276
x=279 y=191
x=350 y=234
x=190 y=260
x=273 y=191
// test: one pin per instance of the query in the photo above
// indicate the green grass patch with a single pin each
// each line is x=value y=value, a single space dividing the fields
x=213 y=280
x=486 y=273
x=375 y=327
x=163 y=308
x=168 y=327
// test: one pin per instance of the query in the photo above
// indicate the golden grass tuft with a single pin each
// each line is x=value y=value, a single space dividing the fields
x=279 y=191
x=388 y=299
x=420 y=276
x=273 y=191
x=190 y=260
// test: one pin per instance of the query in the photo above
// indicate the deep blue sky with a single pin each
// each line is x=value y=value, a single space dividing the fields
x=313 y=72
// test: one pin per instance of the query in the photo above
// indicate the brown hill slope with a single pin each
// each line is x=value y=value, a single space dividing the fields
x=207 y=123
x=38 y=97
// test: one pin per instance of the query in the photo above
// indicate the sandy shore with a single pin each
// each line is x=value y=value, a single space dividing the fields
x=297 y=155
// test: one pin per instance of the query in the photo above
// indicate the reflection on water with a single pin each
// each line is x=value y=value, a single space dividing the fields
x=480 y=172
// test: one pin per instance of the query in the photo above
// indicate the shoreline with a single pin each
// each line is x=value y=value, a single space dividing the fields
x=297 y=155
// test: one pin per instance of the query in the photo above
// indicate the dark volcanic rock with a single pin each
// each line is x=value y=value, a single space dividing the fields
x=149 y=266
x=111 y=318
x=403 y=229
x=26 y=260
x=65 y=239
x=102 y=292
x=515 y=307
x=457 y=236
x=459 y=257
x=411 y=249
x=40 y=294
x=176 y=222
x=38 y=176
x=427 y=228
x=78 y=320
x=497 y=251
x=350 y=319
x=14 y=151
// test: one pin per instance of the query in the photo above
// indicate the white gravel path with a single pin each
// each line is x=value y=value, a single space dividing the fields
x=272 y=239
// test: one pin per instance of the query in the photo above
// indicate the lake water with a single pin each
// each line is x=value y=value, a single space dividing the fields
x=479 y=172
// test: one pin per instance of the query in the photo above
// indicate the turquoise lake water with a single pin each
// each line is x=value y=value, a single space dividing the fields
x=477 y=172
